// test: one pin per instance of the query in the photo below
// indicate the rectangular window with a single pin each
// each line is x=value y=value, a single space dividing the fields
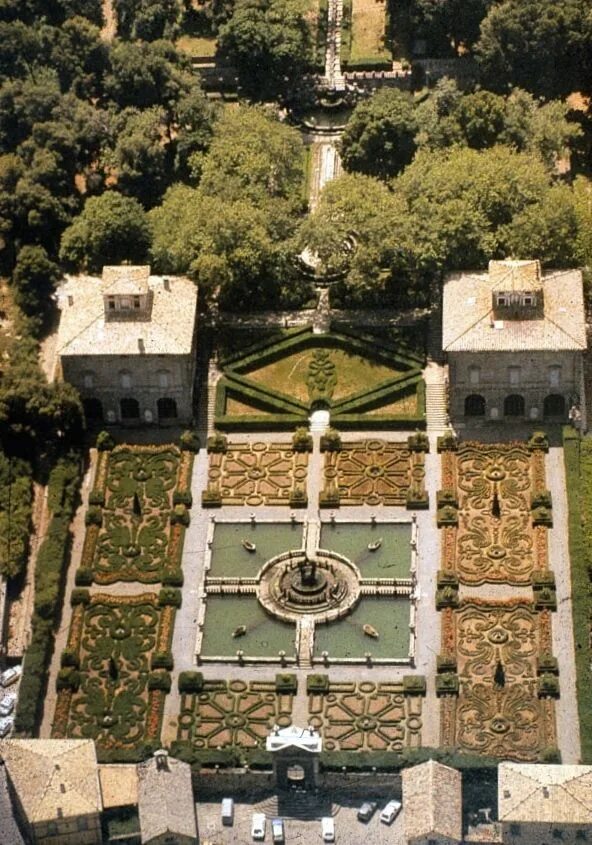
x=111 y=303
x=554 y=376
x=501 y=300
x=474 y=375
x=514 y=375
x=136 y=301
x=515 y=829
x=529 y=300
x=124 y=302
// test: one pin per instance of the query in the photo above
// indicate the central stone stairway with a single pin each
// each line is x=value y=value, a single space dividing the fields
x=298 y=804
x=436 y=397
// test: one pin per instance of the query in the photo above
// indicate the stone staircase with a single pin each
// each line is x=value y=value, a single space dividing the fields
x=436 y=397
x=333 y=74
x=298 y=804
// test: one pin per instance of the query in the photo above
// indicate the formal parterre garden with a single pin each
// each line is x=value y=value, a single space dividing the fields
x=115 y=670
x=113 y=680
x=366 y=716
x=137 y=515
x=274 y=385
x=232 y=714
x=256 y=474
x=374 y=472
x=497 y=676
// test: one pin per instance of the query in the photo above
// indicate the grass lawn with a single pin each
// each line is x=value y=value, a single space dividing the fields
x=354 y=374
x=198 y=47
x=368 y=31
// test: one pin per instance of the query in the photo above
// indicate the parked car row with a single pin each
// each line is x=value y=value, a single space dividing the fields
x=8 y=699
x=259 y=820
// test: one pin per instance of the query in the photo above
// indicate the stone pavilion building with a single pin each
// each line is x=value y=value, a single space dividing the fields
x=432 y=804
x=126 y=341
x=515 y=339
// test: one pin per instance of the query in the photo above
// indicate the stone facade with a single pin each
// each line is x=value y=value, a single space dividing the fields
x=126 y=341
x=533 y=376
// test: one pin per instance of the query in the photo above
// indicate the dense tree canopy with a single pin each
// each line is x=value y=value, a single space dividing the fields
x=544 y=46
x=110 y=230
x=269 y=42
x=379 y=137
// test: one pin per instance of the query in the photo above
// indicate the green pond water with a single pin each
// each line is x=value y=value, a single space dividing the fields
x=265 y=636
x=346 y=638
x=231 y=559
x=391 y=560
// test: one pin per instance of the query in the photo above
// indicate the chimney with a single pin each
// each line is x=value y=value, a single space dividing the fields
x=162 y=762
x=70 y=300
x=141 y=346
x=165 y=282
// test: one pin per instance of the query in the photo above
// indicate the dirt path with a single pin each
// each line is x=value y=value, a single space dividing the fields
x=21 y=609
x=109 y=30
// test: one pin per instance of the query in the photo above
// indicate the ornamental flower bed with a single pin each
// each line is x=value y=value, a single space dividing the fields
x=113 y=638
x=132 y=538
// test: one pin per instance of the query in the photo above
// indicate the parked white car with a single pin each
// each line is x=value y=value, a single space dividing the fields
x=328 y=829
x=258 y=827
x=6 y=726
x=7 y=704
x=9 y=676
x=390 y=812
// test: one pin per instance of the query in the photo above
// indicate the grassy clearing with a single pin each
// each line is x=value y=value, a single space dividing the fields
x=197 y=47
x=368 y=32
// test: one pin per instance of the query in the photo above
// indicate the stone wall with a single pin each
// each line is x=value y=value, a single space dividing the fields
x=145 y=373
x=494 y=380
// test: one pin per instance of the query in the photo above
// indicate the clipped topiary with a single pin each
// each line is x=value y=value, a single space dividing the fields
x=217 y=442
x=83 y=577
x=159 y=680
x=191 y=682
x=414 y=685
x=69 y=658
x=317 y=684
x=302 y=440
x=183 y=497
x=286 y=683
x=68 y=678
x=172 y=577
x=79 y=595
x=105 y=441
x=189 y=441
x=180 y=515
x=94 y=516
x=170 y=596
x=419 y=442
x=331 y=441
x=162 y=660
x=96 y=497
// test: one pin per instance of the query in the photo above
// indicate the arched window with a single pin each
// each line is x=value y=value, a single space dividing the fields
x=125 y=379
x=164 y=379
x=129 y=409
x=88 y=378
x=514 y=405
x=93 y=410
x=167 y=409
x=474 y=406
x=554 y=405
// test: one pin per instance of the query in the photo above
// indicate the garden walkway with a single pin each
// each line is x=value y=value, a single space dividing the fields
x=568 y=726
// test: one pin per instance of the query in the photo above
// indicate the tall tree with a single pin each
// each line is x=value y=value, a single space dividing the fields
x=379 y=137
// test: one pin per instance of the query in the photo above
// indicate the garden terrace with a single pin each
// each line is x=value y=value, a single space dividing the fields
x=366 y=716
x=350 y=375
x=232 y=714
x=364 y=35
x=137 y=514
x=494 y=511
x=373 y=472
x=112 y=687
x=499 y=702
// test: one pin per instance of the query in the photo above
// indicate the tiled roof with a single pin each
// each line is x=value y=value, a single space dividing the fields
x=469 y=324
x=51 y=775
x=515 y=275
x=165 y=799
x=545 y=793
x=125 y=279
x=83 y=329
x=432 y=801
x=119 y=784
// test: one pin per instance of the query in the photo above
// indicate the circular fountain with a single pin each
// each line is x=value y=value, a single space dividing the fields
x=325 y=586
